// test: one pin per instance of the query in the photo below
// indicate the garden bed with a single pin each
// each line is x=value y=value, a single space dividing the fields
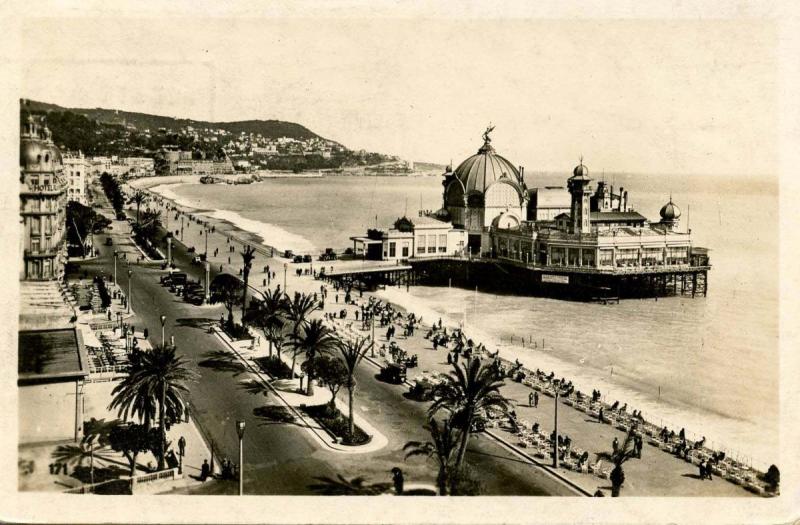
x=335 y=422
x=274 y=366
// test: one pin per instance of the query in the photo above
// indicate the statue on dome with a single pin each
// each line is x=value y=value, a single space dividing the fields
x=486 y=137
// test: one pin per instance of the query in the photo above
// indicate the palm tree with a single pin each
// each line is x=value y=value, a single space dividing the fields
x=226 y=289
x=470 y=388
x=444 y=443
x=315 y=338
x=131 y=399
x=298 y=310
x=248 y=255
x=159 y=375
x=139 y=197
x=268 y=316
x=351 y=354
x=623 y=454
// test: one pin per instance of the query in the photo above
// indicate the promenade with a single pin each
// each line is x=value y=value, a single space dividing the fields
x=657 y=473
x=280 y=456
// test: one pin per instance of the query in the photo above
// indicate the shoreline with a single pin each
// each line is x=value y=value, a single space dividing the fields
x=672 y=415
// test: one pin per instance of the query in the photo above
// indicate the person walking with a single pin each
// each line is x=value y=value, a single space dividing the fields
x=615 y=445
x=536 y=400
x=182 y=446
x=530 y=399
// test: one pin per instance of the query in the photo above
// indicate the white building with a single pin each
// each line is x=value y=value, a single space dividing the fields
x=418 y=239
x=77 y=170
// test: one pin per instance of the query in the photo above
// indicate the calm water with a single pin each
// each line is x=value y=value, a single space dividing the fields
x=710 y=364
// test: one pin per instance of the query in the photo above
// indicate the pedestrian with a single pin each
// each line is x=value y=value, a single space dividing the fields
x=186 y=413
x=205 y=470
x=182 y=446
x=530 y=399
x=615 y=445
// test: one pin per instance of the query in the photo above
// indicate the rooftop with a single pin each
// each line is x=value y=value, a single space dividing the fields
x=50 y=354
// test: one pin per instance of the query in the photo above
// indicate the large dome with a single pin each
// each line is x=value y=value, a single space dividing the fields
x=479 y=171
x=37 y=151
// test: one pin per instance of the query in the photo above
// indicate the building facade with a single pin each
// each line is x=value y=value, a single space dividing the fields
x=43 y=198
x=424 y=237
x=77 y=170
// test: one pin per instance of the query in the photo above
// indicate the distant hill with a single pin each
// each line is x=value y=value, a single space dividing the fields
x=142 y=121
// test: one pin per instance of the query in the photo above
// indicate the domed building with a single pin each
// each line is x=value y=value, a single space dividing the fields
x=43 y=194
x=484 y=190
x=670 y=214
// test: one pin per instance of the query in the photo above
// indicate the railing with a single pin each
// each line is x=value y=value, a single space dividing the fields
x=108 y=369
x=135 y=481
x=105 y=325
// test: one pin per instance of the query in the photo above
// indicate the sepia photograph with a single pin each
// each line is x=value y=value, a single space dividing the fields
x=478 y=253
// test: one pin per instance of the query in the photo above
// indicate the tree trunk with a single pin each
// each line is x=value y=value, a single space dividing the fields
x=133 y=464
x=441 y=481
x=350 y=388
x=462 y=448
x=294 y=358
x=246 y=275
x=162 y=423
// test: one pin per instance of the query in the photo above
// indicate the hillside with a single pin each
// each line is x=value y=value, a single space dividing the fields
x=142 y=121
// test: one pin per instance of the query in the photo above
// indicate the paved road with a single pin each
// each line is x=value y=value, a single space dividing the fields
x=282 y=458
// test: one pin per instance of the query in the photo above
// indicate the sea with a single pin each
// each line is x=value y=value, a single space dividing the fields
x=709 y=364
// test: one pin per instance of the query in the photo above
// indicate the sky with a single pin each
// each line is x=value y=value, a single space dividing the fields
x=643 y=96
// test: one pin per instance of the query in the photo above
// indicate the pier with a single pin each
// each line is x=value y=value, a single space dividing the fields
x=571 y=282
x=373 y=274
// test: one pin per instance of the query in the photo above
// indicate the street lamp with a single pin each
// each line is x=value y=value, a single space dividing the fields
x=557 y=385
x=116 y=254
x=130 y=297
x=285 y=269
x=119 y=322
x=206 y=295
x=240 y=431
x=163 y=339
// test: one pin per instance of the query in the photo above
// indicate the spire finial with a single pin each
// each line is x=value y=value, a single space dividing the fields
x=489 y=129
x=581 y=158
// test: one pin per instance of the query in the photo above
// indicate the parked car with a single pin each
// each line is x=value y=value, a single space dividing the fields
x=307 y=258
x=298 y=259
x=109 y=241
x=288 y=254
x=393 y=373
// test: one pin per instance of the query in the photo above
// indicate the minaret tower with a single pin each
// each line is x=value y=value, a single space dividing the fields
x=578 y=186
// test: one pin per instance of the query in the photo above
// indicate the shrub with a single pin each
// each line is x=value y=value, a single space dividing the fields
x=336 y=423
x=273 y=366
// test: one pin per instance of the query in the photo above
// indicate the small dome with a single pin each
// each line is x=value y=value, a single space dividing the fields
x=670 y=212
x=581 y=171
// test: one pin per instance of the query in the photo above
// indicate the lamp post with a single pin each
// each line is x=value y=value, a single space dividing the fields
x=116 y=254
x=372 y=316
x=240 y=431
x=285 y=269
x=556 y=384
x=205 y=234
x=163 y=339
x=130 y=297
x=181 y=228
x=207 y=296
x=119 y=322
x=169 y=249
